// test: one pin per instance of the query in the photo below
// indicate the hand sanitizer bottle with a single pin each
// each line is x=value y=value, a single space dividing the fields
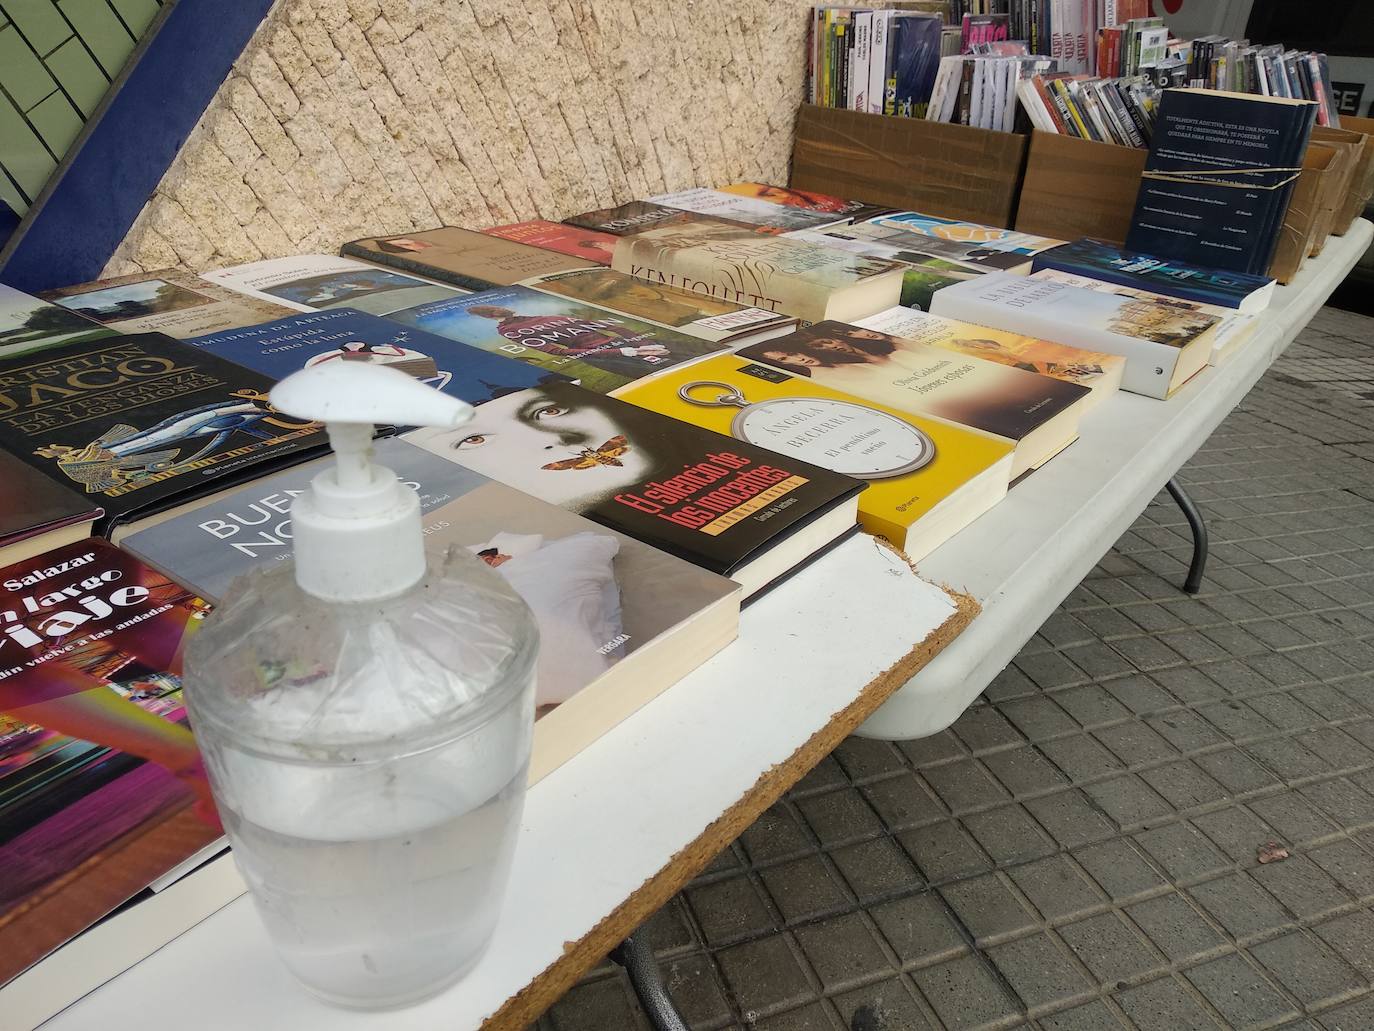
x=366 y=714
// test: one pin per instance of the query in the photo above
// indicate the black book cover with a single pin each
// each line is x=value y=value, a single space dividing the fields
x=1218 y=178
x=31 y=503
x=707 y=498
x=138 y=423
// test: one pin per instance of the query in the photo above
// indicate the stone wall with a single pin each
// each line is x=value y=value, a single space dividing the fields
x=346 y=118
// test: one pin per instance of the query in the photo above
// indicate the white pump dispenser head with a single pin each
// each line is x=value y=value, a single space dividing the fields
x=357 y=530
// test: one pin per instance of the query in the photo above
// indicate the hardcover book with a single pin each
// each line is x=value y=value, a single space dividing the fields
x=926 y=478
x=638 y=215
x=1218 y=178
x=1163 y=345
x=316 y=282
x=720 y=322
x=851 y=210
x=139 y=423
x=277 y=349
x=29 y=324
x=619 y=621
x=1037 y=414
x=725 y=505
x=471 y=260
x=763 y=215
x=1099 y=372
x=774 y=273
x=38 y=514
x=167 y=301
x=102 y=791
x=1097 y=259
x=574 y=241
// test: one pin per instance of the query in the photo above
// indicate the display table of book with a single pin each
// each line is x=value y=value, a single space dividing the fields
x=1022 y=559
x=608 y=837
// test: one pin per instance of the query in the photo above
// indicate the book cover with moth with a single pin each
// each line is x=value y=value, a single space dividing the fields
x=919 y=470
x=715 y=501
x=102 y=791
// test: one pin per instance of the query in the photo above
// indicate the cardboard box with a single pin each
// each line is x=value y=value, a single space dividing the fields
x=1361 y=186
x=950 y=170
x=1336 y=178
x=1076 y=187
x=1301 y=221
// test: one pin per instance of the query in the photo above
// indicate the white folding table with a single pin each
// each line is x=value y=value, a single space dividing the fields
x=610 y=836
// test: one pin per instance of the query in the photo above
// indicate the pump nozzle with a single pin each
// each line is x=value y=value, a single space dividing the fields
x=357 y=530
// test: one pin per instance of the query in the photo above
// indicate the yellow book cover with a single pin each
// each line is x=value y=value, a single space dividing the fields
x=926 y=478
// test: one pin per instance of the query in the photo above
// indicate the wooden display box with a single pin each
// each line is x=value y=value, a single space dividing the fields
x=954 y=171
x=1077 y=187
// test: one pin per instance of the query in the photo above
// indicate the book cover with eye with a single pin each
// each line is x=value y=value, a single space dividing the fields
x=601 y=349
x=142 y=422
x=277 y=349
x=619 y=621
x=723 y=504
x=102 y=791
x=919 y=470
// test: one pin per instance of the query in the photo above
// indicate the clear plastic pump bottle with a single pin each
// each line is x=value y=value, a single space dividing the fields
x=366 y=714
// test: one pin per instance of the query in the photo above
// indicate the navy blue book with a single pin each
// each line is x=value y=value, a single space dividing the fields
x=914 y=41
x=1218 y=178
x=277 y=349
x=1108 y=263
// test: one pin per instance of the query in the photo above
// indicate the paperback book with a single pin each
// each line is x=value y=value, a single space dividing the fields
x=725 y=505
x=777 y=274
x=899 y=237
x=139 y=423
x=277 y=349
x=1038 y=415
x=638 y=215
x=167 y=301
x=1163 y=345
x=317 y=282
x=463 y=258
x=102 y=790
x=926 y=478
x=852 y=210
x=923 y=274
x=763 y=215
x=574 y=241
x=602 y=350
x=619 y=621
x=30 y=324
x=38 y=514
x=1099 y=372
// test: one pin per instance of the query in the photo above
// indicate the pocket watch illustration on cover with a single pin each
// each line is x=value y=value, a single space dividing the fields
x=838 y=435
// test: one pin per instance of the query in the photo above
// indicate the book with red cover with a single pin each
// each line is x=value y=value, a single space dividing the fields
x=102 y=791
x=561 y=237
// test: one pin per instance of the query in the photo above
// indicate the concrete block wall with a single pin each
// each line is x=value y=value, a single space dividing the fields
x=345 y=118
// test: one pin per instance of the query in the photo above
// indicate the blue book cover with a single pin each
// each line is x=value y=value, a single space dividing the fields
x=915 y=60
x=277 y=349
x=1109 y=263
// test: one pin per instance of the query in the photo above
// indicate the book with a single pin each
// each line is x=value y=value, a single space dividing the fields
x=637 y=216
x=1037 y=414
x=1233 y=328
x=908 y=238
x=923 y=274
x=927 y=478
x=1163 y=345
x=601 y=349
x=1101 y=373
x=1218 y=178
x=619 y=622
x=982 y=28
x=574 y=241
x=461 y=257
x=166 y=301
x=142 y=422
x=277 y=349
x=720 y=322
x=915 y=58
x=727 y=506
x=824 y=203
x=38 y=514
x=30 y=324
x=102 y=789
x=972 y=235
x=774 y=273
x=764 y=216
x=1097 y=259
x=316 y=282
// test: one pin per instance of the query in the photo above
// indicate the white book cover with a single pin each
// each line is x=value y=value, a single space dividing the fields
x=313 y=282
x=858 y=70
x=761 y=213
x=877 y=64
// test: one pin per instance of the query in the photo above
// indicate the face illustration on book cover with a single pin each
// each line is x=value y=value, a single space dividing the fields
x=92 y=726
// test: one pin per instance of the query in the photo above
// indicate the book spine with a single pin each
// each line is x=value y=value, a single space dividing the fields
x=877 y=68
x=1059 y=93
x=1052 y=110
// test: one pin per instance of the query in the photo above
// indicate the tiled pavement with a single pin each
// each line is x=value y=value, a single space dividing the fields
x=1081 y=849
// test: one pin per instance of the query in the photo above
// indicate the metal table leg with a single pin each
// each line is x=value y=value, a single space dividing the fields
x=1190 y=512
x=635 y=955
